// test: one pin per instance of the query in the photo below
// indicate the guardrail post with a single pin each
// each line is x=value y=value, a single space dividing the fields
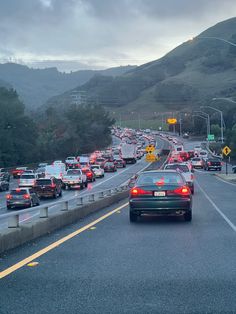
x=13 y=222
x=44 y=212
x=109 y=193
x=101 y=194
x=65 y=206
x=80 y=201
x=91 y=198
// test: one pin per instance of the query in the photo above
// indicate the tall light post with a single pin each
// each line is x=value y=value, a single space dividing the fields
x=208 y=119
x=216 y=38
x=221 y=120
x=203 y=117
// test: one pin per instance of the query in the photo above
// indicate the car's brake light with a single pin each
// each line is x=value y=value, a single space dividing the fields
x=137 y=191
x=183 y=190
x=8 y=196
x=53 y=185
x=26 y=196
x=209 y=163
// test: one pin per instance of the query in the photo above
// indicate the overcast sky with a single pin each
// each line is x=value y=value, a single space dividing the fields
x=80 y=34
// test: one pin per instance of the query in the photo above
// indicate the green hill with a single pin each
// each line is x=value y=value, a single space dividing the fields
x=36 y=86
x=190 y=75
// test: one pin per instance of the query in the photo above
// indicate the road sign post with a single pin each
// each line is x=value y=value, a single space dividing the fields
x=226 y=151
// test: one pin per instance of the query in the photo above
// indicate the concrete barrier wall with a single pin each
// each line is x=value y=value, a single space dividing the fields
x=12 y=238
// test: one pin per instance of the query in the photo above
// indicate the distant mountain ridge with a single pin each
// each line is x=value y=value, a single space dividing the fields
x=188 y=76
x=36 y=86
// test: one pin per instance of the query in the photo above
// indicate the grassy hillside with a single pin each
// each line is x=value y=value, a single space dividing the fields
x=36 y=86
x=190 y=75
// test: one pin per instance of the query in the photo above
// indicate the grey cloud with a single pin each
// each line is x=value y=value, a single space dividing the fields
x=102 y=32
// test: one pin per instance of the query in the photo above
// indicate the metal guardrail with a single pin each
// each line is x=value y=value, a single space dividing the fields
x=43 y=210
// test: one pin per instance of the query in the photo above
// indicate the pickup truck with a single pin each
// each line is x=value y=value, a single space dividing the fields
x=74 y=178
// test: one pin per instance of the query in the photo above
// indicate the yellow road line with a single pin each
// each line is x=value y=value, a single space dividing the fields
x=52 y=246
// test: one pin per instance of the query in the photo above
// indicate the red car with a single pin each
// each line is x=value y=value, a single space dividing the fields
x=89 y=174
x=18 y=172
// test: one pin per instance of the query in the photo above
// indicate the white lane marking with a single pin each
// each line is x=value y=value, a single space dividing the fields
x=222 y=180
x=29 y=217
x=229 y=222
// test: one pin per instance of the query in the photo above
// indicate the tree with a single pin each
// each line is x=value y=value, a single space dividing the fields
x=215 y=129
x=18 y=133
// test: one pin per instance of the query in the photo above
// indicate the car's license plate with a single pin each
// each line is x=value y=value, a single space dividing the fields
x=162 y=193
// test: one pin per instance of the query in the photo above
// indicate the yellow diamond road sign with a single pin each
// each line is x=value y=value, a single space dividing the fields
x=150 y=148
x=150 y=157
x=226 y=150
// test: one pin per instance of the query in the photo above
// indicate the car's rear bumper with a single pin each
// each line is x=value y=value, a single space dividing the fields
x=160 y=206
x=18 y=204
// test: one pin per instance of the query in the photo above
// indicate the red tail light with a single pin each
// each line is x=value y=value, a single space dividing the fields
x=53 y=185
x=26 y=196
x=89 y=174
x=8 y=196
x=222 y=164
x=183 y=190
x=137 y=191
x=209 y=163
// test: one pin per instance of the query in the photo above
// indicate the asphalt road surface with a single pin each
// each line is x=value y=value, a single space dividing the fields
x=157 y=265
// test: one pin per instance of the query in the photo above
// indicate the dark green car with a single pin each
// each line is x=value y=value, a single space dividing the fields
x=162 y=192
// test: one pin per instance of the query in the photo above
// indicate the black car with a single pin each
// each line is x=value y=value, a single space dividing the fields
x=212 y=164
x=22 y=198
x=162 y=192
x=4 y=174
x=48 y=187
x=4 y=184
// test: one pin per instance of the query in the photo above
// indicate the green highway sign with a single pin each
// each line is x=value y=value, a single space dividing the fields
x=211 y=137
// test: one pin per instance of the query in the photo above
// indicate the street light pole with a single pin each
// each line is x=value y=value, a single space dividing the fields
x=203 y=117
x=221 y=120
x=208 y=120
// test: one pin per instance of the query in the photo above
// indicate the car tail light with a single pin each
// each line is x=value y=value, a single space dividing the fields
x=8 y=196
x=209 y=163
x=26 y=196
x=53 y=185
x=222 y=164
x=89 y=174
x=183 y=190
x=137 y=191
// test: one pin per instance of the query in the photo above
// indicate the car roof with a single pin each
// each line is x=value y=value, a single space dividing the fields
x=158 y=171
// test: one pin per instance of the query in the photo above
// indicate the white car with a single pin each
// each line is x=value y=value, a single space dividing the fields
x=203 y=154
x=27 y=180
x=197 y=162
x=73 y=178
x=70 y=160
x=185 y=171
x=98 y=170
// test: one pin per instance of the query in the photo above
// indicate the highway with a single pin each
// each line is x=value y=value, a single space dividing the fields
x=107 y=265
x=111 y=180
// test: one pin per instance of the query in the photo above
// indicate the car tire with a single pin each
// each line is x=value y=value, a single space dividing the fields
x=60 y=194
x=8 y=207
x=81 y=186
x=55 y=195
x=86 y=184
x=192 y=190
x=133 y=217
x=188 y=216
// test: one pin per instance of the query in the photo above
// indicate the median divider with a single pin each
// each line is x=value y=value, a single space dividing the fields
x=19 y=233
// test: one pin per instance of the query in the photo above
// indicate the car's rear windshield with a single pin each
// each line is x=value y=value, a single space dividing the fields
x=100 y=159
x=196 y=159
x=43 y=182
x=181 y=168
x=27 y=176
x=160 y=178
x=73 y=172
x=109 y=163
x=95 y=167
x=18 y=192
